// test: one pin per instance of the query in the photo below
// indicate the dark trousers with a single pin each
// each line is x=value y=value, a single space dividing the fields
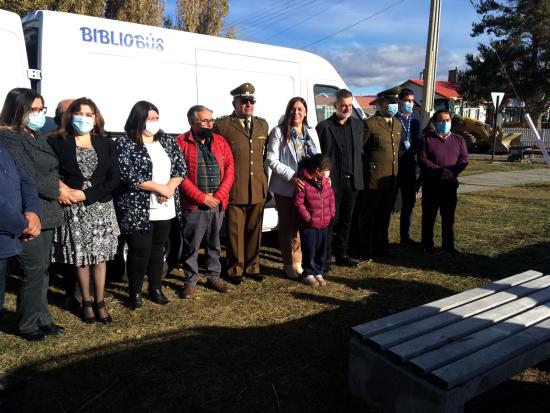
x=196 y=226
x=3 y=270
x=374 y=219
x=146 y=254
x=406 y=179
x=338 y=232
x=439 y=195
x=244 y=230
x=32 y=301
x=314 y=249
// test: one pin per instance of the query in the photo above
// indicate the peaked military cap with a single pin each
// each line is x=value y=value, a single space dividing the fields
x=391 y=94
x=246 y=90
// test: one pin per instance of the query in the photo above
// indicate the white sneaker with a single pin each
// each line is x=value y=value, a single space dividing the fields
x=290 y=272
x=310 y=280
x=319 y=278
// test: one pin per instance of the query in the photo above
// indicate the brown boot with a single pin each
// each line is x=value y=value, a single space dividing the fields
x=188 y=292
x=218 y=285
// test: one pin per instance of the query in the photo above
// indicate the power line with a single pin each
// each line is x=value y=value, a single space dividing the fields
x=302 y=21
x=265 y=11
x=286 y=12
x=354 y=24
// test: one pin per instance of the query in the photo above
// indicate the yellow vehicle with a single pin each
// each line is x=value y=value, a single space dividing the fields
x=479 y=136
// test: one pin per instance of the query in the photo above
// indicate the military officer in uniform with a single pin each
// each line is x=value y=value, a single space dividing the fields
x=381 y=141
x=247 y=137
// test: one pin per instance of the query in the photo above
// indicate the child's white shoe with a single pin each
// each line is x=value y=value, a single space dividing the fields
x=310 y=280
x=319 y=278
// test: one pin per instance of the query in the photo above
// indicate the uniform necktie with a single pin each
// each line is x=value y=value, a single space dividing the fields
x=247 y=126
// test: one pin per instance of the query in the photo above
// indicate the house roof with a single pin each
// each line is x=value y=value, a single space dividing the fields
x=445 y=89
x=365 y=101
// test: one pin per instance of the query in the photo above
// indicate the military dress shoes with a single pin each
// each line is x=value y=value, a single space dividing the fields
x=37 y=335
x=218 y=285
x=345 y=261
x=135 y=301
x=158 y=297
x=236 y=280
x=52 y=329
x=259 y=278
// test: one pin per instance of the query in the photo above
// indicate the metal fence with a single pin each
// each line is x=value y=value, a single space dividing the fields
x=528 y=137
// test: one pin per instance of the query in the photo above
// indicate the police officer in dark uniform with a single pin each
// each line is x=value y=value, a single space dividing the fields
x=380 y=164
x=247 y=136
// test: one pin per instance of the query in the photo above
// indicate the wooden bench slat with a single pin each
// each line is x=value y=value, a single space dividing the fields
x=477 y=363
x=426 y=325
x=462 y=349
x=420 y=345
x=395 y=320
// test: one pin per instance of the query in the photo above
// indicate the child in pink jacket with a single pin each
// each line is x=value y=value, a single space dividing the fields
x=316 y=209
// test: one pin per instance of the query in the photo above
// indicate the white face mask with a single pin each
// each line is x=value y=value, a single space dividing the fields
x=327 y=174
x=152 y=127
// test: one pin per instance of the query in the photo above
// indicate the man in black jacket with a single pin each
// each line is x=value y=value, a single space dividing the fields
x=341 y=138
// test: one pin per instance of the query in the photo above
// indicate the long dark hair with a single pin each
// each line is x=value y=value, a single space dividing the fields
x=286 y=123
x=17 y=107
x=66 y=120
x=135 y=124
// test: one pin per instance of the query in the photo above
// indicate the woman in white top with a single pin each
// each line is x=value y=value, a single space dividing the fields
x=151 y=169
x=289 y=144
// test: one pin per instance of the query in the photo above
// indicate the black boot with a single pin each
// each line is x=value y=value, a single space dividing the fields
x=158 y=297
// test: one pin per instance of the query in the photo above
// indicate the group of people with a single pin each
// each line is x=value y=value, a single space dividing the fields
x=69 y=196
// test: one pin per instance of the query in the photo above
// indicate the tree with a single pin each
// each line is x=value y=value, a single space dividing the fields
x=520 y=51
x=136 y=11
x=22 y=7
x=201 y=16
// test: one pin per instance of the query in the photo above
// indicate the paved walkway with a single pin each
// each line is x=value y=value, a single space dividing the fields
x=494 y=180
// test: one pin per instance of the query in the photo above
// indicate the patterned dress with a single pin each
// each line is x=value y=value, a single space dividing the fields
x=90 y=233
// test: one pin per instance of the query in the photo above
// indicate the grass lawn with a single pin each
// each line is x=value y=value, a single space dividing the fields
x=280 y=345
x=481 y=166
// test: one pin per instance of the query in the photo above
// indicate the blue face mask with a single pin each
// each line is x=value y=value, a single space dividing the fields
x=408 y=107
x=36 y=121
x=392 y=109
x=443 y=127
x=82 y=124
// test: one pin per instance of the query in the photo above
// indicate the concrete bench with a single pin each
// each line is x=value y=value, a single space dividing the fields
x=435 y=357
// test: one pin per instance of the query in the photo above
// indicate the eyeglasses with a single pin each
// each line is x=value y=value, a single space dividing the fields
x=37 y=111
x=244 y=101
x=205 y=121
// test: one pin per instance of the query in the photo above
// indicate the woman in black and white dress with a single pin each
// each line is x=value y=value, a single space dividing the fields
x=147 y=201
x=89 y=172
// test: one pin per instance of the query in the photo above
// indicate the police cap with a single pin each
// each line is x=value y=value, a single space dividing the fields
x=390 y=94
x=244 y=90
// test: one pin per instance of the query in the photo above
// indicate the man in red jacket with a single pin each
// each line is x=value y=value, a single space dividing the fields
x=204 y=197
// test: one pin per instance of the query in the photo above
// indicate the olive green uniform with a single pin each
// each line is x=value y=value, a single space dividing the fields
x=380 y=159
x=248 y=193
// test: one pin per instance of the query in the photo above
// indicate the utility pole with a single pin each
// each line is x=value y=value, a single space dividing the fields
x=431 y=62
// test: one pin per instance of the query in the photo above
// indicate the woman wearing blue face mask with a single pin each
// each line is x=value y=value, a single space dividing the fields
x=442 y=155
x=22 y=116
x=89 y=168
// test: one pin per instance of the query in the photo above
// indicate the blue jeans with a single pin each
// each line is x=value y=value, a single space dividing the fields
x=314 y=249
x=3 y=269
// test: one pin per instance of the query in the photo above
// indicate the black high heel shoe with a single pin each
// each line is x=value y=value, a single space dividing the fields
x=83 y=315
x=98 y=306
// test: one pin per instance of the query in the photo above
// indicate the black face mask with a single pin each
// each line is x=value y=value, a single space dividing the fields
x=205 y=133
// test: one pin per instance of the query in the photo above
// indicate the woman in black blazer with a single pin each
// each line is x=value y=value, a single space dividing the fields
x=89 y=171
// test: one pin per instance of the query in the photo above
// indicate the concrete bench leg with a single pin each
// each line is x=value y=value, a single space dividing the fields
x=379 y=381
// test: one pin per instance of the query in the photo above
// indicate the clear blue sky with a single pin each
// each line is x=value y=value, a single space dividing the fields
x=387 y=48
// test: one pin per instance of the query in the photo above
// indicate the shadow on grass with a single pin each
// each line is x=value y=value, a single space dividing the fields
x=532 y=257
x=296 y=366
